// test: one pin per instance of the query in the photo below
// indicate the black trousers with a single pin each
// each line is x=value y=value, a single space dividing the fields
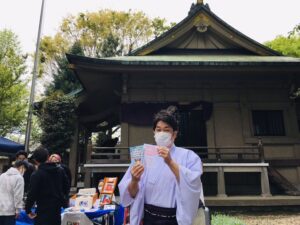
x=49 y=217
x=154 y=215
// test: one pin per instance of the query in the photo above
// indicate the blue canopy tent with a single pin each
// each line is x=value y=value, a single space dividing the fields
x=9 y=147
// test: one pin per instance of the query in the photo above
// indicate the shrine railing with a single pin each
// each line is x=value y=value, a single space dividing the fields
x=208 y=154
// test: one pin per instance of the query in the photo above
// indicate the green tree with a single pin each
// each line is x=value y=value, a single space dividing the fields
x=160 y=26
x=101 y=34
x=93 y=28
x=287 y=45
x=105 y=33
x=111 y=46
x=295 y=31
x=12 y=87
x=57 y=117
x=64 y=79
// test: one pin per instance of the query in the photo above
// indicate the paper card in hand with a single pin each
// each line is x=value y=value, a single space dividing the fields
x=150 y=155
x=150 y=150
x=137 y=154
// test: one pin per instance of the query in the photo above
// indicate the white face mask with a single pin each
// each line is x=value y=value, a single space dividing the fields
x=163 y=138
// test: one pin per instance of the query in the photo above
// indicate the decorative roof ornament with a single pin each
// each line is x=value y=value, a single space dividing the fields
x=195 y=5
x=202 y=27
x=201 y=22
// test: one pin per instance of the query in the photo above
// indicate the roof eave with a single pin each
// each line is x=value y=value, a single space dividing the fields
x=121 y=66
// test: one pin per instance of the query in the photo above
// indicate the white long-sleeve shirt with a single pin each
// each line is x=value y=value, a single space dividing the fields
x=11 y=192
x=159 y=187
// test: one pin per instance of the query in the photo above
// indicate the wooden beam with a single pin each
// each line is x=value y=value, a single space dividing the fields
x=284 y=162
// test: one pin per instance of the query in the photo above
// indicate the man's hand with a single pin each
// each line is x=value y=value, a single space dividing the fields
x=31 y=215
x=164 y=152
x=137 y=171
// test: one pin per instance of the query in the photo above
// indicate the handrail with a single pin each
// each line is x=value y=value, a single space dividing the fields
x=215 y=155
x=200 y=153
x=189 y=147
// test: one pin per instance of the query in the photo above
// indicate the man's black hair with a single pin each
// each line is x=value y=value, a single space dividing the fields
x=21 y=152
x=168 y=116
x=40 y=154
x=21 y=163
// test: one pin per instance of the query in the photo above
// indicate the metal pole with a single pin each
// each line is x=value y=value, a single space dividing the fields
x=34 y=75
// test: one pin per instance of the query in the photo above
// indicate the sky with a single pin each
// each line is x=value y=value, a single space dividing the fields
x=261 y=20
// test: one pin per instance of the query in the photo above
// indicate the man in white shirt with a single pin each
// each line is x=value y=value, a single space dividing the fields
x=11 y=193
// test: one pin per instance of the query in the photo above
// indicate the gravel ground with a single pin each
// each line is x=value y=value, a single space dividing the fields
x=280 y=215
x=270 y=218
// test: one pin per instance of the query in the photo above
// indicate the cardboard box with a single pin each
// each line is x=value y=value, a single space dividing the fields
x=85 y=198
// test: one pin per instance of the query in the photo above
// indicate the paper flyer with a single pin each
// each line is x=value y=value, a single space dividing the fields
x=150 y=150
x=150 y=155
x=147 y=154
x=137 y=154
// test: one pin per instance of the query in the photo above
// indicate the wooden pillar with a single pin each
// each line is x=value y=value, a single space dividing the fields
x=221 y=182
x=261 y=150
x=264 y=179
x=125 y=125
x=73 y=163
x=124 y=140
x=218 y=154
x=265 y=185
x=87 y=175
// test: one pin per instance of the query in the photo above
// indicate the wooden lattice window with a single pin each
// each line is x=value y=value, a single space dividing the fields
x=268 y=123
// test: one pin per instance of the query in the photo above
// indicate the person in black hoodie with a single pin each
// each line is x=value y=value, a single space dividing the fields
x=56 y=158
x=48 y=188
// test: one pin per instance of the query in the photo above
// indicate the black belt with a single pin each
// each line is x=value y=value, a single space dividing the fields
x=160 y=212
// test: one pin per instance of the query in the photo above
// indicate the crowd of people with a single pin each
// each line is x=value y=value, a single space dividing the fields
x=44 y=184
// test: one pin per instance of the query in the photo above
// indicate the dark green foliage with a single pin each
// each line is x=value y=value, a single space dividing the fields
x=64 y=79
x=57 y=119
x=111 y=46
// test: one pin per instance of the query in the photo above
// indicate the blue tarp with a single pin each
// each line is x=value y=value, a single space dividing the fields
x=24 y=219
x=9 y=147
x=118 y=216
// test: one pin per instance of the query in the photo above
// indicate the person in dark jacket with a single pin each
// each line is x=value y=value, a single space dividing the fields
x=48 y=188
x=56 y=158
x=22 y=156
